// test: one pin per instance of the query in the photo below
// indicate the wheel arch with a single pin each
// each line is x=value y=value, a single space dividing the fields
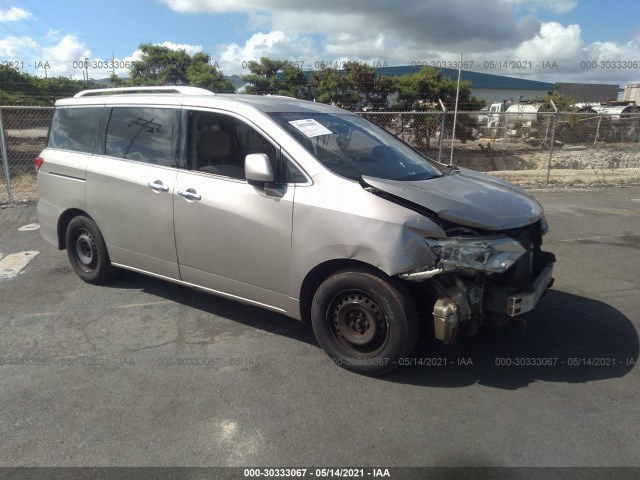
x=63 y=223
x=321 y=272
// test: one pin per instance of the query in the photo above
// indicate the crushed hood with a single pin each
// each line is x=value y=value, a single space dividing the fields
x=467 y=198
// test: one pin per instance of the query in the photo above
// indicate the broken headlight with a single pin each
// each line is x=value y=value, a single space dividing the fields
x=484 y=254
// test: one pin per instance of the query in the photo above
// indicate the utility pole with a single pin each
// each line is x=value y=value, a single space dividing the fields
x=455 y=112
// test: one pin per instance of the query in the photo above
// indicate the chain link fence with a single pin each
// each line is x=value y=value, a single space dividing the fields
x=532 y=149
x=23 y=135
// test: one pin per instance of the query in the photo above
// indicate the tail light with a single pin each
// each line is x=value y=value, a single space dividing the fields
x=38 y=163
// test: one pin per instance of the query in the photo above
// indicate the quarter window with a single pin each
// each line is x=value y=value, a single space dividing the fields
x=142 y=134
x=290 y=172
x=75 y=129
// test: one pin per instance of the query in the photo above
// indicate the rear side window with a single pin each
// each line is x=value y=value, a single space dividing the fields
x=75 y=128
x=142 y=134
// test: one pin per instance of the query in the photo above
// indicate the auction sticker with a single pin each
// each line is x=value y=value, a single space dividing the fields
x=310 y=127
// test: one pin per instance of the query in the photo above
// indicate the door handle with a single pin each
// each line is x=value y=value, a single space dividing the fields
x=158 y=186
x=189 y=194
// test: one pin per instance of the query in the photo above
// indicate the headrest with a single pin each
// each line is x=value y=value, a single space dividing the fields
x=214 y=144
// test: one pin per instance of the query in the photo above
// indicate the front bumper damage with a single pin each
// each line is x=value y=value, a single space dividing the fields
x=474 y=288
x=520 y=303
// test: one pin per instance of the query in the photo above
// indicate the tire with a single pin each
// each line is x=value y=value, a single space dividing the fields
x=363 y=321
x=87 y=251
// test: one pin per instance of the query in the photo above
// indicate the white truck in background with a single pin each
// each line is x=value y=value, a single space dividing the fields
x=513 y=115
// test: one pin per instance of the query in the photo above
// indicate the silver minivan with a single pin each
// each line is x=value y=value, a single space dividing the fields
x=293 y=206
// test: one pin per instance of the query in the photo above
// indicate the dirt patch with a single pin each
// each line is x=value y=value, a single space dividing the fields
x=23 y=187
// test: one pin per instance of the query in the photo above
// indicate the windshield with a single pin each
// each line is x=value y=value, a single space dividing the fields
x=352 y=147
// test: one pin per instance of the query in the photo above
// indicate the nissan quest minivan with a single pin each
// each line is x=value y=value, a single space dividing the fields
x=293 y=206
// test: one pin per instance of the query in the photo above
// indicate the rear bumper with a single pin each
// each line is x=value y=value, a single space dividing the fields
x=48 y=216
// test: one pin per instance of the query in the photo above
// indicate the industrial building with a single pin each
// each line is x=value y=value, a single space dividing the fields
x=589 y=92
x=632 y=93
x=493 y=88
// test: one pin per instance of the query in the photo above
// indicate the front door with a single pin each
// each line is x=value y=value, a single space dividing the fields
x=231 y=237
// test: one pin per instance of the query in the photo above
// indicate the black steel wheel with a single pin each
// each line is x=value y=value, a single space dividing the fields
x=356 y=322
x=87 y=251
x=364 y=321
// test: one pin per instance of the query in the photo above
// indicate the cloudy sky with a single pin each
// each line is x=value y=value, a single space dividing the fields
x=589 y=41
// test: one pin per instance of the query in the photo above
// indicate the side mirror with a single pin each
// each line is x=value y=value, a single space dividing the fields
x=257 y=168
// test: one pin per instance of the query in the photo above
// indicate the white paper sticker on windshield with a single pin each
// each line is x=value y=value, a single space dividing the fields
x=310 y=127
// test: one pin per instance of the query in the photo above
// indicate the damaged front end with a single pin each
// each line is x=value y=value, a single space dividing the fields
x=480 y=279
x=489 y=268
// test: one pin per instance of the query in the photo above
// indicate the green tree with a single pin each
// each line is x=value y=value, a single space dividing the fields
x=202 y=74
x=19 y=88
x=420 y=87
x=361 y=79
x=423 y=90
x=370 y=88
x=115 y=80
x=563 y=103
x=330 y=86
x=162 y=66
x=357 y=85
x=382 y=88
x=428 y=85
x=276 y=77
x=263 y=78
x=294 y=83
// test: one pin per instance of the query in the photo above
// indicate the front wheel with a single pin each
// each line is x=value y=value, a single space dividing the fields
x=363 y=321
x=87 y=251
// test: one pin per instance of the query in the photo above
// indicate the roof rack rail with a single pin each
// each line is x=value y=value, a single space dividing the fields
x=132 y=90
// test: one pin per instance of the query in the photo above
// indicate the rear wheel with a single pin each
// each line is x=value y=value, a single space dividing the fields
x=363 y=321
x=87 y=251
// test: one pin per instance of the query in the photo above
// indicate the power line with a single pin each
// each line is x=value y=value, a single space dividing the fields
x=32 y=7
x=30 y=43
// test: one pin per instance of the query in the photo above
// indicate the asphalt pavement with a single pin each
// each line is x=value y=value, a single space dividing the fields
x=141 y=372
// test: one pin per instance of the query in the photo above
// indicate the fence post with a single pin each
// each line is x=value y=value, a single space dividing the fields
x=5 y=160
x=595 y=140
x=546 y=132
x=442 y=132
x=553 y=141
x=505 y=131
x=402 y=126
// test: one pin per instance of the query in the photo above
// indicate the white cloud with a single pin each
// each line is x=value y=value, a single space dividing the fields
x=190 y=49
x=553 y=43
x=556 y=6
x=12 y=48
x=118 y=65
x=220 y=6
x=233 y=58
x=13 y=14
x=559 y=54
x=61 y=57
x=451 y=25
x=53 y=35
x=58 y=58
x=406 y=32
x=382 y=32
